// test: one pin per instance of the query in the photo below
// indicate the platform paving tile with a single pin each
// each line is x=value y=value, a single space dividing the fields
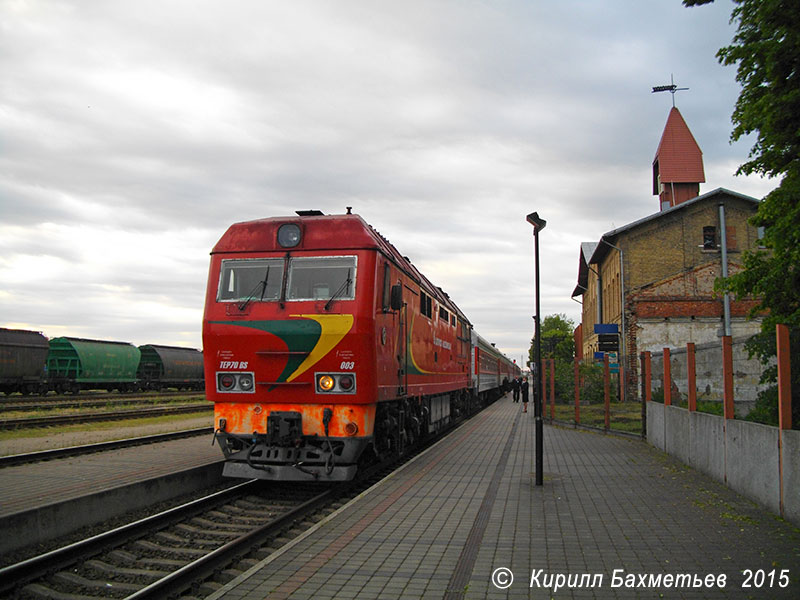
x=28 y=486
x=607 y=503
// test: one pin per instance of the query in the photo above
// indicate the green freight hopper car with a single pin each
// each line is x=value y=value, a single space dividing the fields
x=170 y=367
x=22 y=360
x=75 y=364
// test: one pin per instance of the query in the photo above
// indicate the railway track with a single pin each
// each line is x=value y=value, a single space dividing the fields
x=26 y=422
x=180 y=550
x=167 y=553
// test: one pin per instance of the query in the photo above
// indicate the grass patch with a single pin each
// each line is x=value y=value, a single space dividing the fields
x=110 y=426
x=623 y=416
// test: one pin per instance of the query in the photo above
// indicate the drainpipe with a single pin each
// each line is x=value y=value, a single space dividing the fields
x=726 y=301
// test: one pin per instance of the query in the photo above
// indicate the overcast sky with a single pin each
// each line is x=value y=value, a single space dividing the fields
x=133 y=133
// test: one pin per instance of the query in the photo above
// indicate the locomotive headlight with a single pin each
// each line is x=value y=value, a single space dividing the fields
x=335 y=383
x=289 y=235
x=326 y=383
x=236 y=382
x=246 y=382
x=346 y=382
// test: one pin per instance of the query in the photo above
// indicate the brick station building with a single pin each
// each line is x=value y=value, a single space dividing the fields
x=654 y=278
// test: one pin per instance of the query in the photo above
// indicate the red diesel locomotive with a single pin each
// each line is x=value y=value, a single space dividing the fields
x=325 y=348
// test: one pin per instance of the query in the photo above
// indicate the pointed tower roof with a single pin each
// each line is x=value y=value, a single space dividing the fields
x=678 y=158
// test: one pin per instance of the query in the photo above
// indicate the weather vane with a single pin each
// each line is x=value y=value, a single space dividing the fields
x=672 y=88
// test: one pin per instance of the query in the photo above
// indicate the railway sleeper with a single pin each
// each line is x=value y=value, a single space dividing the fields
x=159 y=550
x=207 y=524
x=107 y=570
x=236 y=509
x=170 y=538
x=103 y=588
x=38 y=591
x=196 y=534
x=125 y=558
x=241 y=517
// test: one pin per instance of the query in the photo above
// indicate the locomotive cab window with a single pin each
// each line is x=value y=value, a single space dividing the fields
x=322 y=278
x=425 y=304
x=257 y=280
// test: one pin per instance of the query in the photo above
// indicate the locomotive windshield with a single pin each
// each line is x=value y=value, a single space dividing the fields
x=261 y=279
x=322 y=278
x=257 y=279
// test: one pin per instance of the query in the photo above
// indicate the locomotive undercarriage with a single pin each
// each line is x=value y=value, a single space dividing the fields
x=401 y=424
x=315 y=459
x=285 y=454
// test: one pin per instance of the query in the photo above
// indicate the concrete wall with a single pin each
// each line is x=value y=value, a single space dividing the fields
x=751 y=455
x=677 y=432
x=791 y=475
x=707 y=444
x=743 y=455
x=655 y=424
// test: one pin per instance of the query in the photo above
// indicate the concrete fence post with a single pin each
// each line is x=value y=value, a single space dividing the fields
x=691 y=373
x=727 y=376
x=667 y=378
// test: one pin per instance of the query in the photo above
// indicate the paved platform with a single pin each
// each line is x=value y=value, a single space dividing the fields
x=614 y=518
x=25 y=487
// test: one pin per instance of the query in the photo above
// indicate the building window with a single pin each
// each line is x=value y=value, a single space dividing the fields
x=709 y=238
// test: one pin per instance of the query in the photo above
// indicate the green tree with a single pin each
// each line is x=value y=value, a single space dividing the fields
x=557 y=338
x=558 y=342
x=766 y=50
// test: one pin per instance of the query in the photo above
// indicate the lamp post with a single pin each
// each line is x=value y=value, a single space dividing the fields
x=538 y=225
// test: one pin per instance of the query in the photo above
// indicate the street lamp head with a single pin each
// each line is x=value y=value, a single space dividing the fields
x=538 y=224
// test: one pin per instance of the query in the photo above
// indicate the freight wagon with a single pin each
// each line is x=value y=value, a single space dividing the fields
x=170 y=367
x=75 y=364
x=23 y=355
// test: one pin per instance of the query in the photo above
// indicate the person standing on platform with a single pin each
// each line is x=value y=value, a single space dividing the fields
x=515 y=389
x=524 y=391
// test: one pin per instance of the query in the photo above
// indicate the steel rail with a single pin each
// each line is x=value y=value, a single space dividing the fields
x=89 y=395
x=92 y=402
x=20 y=573
x=109 y=416
x=182 y=579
